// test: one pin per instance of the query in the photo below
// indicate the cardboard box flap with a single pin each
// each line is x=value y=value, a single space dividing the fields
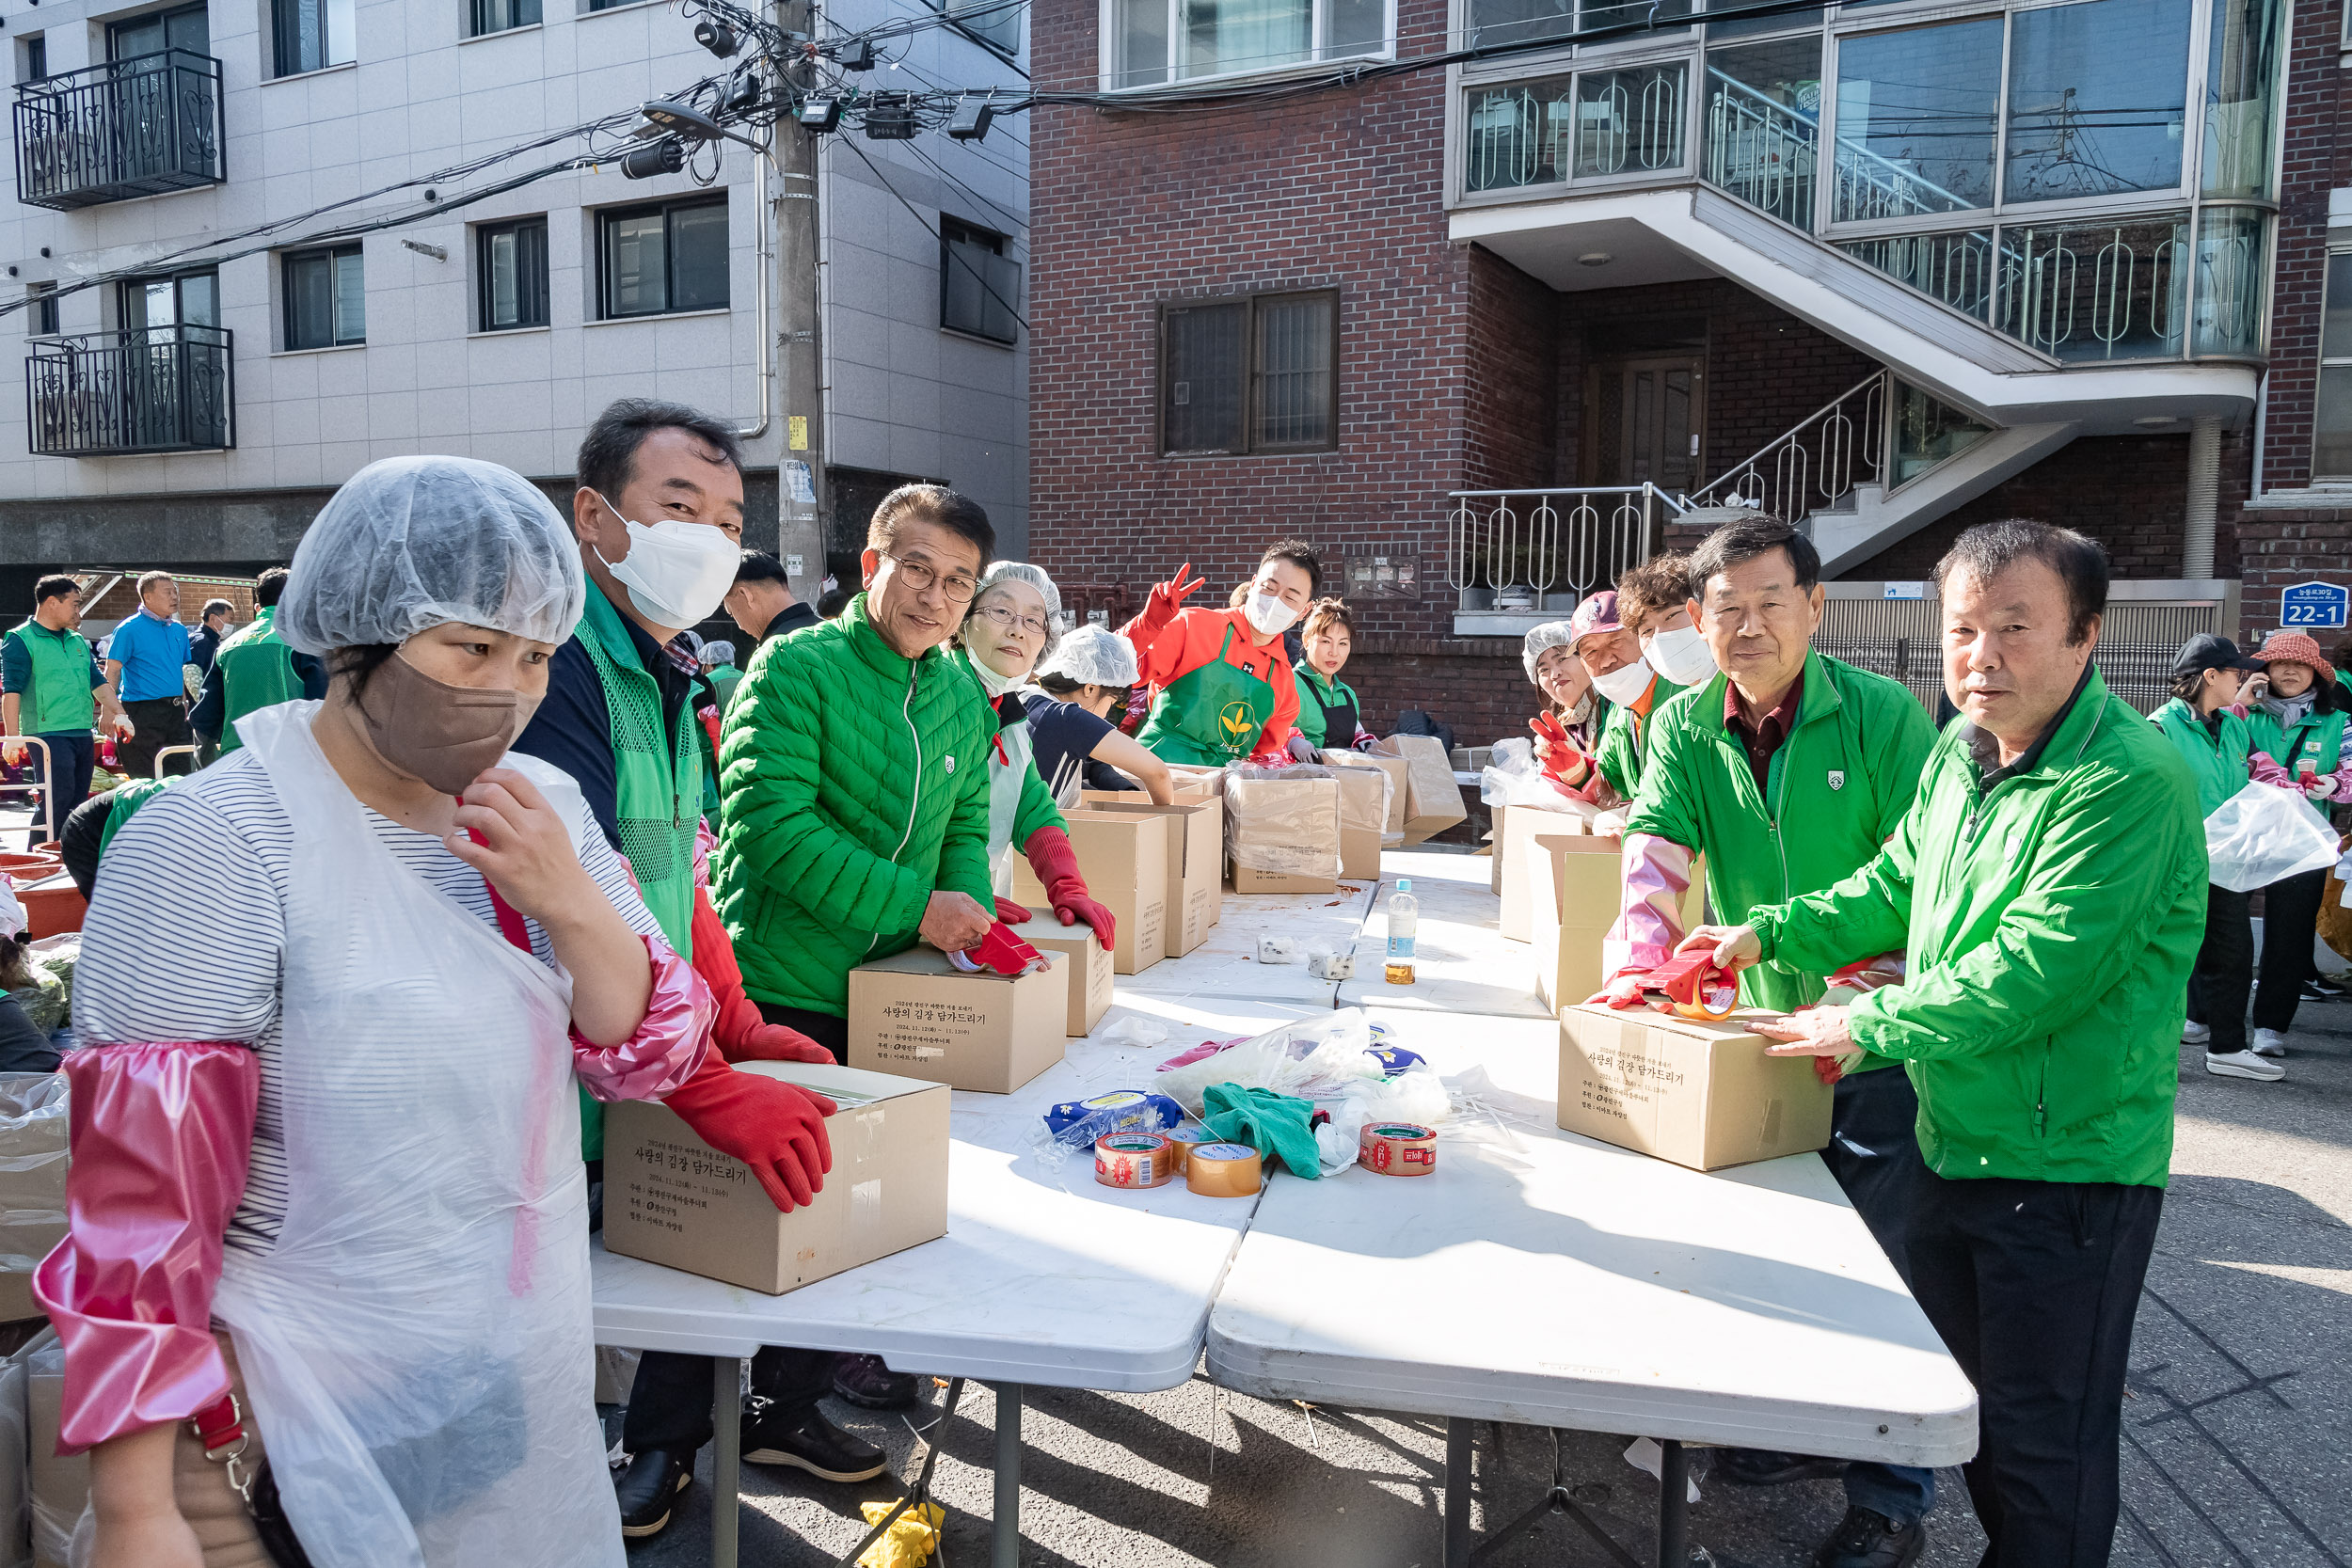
x=846 y=1086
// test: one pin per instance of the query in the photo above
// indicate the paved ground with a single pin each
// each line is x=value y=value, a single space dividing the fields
x=2237 y=1436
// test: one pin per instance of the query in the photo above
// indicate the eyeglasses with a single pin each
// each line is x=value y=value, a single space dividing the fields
x=921 y=575
x=1034 y=624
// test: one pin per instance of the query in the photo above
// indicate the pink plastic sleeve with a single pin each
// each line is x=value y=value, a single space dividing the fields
x=2263 y=770
x=668 y=1046
x=1650 y=920
x=161 y=1137
x=2342 y=792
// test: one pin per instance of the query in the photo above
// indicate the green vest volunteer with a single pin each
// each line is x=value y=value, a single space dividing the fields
x=1329 y=712
x=59 y=694
x=1221 y=678
x=2218 y=751
x=253 y=669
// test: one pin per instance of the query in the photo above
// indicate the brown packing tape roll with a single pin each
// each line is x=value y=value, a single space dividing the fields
x=1186 y=1139
x=1398 y=1148
x=1133 y=1160
x=1224 y=1170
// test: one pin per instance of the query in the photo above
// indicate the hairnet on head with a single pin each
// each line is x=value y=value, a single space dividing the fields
x=719 y=651
x=412 y=543
x=1093 y=655
x=1021 y=571
x=1551 y=634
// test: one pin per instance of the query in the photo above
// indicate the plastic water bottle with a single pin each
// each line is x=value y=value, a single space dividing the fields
x=1403 y=916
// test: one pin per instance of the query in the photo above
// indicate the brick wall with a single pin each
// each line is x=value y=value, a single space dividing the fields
x=2283 y=547
x=2315 y=157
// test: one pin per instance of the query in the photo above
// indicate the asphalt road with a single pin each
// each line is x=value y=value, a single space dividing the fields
x=2237 y=1436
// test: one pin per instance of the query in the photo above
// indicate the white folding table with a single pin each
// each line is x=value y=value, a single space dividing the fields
x=1462 y=962
x=1225 y=964
x=1542 y=1278
x=1044 y=1276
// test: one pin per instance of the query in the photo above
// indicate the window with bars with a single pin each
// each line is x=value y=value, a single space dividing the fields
x=2331 y=420
x=511 y=267
x=326 y=298
x=663 y=259
x=979 y=286
x=1255 y=373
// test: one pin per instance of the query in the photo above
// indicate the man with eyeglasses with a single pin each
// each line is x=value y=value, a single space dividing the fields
x=853 y=789
x=1221 y=681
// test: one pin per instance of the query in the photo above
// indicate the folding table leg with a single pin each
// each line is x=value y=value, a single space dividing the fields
x=727 y=1459
x=1005 y=1539
x=1674 y=1504
x=1459 y=1436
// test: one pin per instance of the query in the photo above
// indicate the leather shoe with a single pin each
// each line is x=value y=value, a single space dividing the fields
x=802 y=1437
x=1864 y=1539
x=1765 y=1467
x=648 y=1486
x=865 y=1382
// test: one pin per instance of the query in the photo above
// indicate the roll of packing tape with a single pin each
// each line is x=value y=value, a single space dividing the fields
x=1398 y=1148
x=1224 y=1170
x=1185 y=1140
x=1133 y=1160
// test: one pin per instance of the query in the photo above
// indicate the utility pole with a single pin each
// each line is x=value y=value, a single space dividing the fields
x=801 y=501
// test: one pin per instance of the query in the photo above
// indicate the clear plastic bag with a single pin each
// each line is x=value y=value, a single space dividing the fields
x=1283 y=821
x=1513 y=777
x=1314 y=1060
x=2263 y=833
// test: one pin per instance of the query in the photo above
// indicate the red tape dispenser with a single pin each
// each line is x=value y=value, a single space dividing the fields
x=1695 y=986
x=1002 y=952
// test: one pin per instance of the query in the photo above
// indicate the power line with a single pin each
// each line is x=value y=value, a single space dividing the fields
x=945 y=250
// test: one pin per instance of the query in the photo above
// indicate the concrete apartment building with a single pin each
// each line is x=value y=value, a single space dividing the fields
x=195 y=413
x=1487 y=330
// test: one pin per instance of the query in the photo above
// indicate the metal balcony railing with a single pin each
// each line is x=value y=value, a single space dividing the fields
x=1760 y=151
x=129 y=128
x=1817 y=464
x=1515 y=547
x=156 y=389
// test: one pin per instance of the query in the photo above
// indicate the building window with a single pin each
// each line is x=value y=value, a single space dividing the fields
x=32 y=61
x=664 y=259
x=498 y=16
x=2331 y=421
x=40 y=312
x=994 y=23
x=1164 y=41
x=176 y=299
x=1253 y=375
x=511 y=260
x=979 y=286
x=326 y=298
x=311 y=35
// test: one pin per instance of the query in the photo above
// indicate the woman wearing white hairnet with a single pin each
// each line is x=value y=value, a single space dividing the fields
x=1568 y=731
x=327 y=1194
x=1088 y=676
x=1010 y=624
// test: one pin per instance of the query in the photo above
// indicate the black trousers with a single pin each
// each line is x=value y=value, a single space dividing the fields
x=156 y=723
x=2290 y=922
x=2033 y=1286
x=2224 y=976
x=72 y=753
x=669 y=1404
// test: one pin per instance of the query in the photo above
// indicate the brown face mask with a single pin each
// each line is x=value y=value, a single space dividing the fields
x=444 y=734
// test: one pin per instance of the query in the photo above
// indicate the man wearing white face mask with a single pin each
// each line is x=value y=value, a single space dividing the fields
x=1612 y=656
x=1221 y=681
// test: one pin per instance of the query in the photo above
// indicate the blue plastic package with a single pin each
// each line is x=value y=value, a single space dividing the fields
x=1394 y=1059
x=1078 y=1123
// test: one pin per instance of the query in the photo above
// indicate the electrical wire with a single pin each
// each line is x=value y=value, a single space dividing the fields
x=931 y=228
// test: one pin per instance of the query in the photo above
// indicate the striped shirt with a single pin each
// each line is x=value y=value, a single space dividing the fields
x=186 y=936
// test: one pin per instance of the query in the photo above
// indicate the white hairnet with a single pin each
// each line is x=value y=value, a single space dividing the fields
x=411 y=543
x=719 y=651
x=1021 y=571
x=1551 y=634
x=1093 y=655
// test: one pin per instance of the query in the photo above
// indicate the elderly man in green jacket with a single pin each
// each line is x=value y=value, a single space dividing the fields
x=2048 y=889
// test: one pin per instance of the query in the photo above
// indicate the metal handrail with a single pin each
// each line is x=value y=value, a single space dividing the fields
x=153 y=389
x=1844 y=453
x=163 y=751
x=125 y=128
x=1603 y=529
x=45 y=786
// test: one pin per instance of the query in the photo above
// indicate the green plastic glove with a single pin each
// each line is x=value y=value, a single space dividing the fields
x=1275 y=1125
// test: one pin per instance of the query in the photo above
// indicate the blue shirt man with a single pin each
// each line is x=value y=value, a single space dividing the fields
x=143 y=660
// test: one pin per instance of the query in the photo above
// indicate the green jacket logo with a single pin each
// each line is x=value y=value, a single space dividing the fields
x=1238 y=720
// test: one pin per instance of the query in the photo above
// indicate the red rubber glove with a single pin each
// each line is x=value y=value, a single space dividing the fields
x=777 y=1129
x=740 y=1034
x=1057 y=865
x=1011 y=913
x=1163 y=603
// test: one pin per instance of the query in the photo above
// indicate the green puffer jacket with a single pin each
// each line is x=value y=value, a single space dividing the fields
x=854 y=786
x=2049 y=929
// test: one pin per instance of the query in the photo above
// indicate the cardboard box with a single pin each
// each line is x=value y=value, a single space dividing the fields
x=1363 y=810
x=1123 y=858
x=1700 y=1094
x=1392 y=831
x=671 y=1198
x=917 y=1014
x=1576 y=884
x=1283 y=834
x=1514 y=838
x=1433 y=801
x=1087 y=973
x=1196 y=860
x=1494 y=848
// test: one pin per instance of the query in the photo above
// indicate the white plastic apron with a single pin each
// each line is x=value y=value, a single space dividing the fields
x=417 y=1343
x=1005 y=778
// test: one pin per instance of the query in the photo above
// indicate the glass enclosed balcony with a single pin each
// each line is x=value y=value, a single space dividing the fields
x=2038 y=167
x=129 y=128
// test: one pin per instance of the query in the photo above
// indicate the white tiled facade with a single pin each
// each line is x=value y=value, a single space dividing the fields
x=905 y=396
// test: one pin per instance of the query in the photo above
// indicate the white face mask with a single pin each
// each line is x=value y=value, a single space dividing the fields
x=676 y=571
x=1680 y=654
x=1269 y=614
x=1625 y=683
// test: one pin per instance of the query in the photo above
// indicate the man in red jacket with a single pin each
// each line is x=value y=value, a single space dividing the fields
x=1221 y=679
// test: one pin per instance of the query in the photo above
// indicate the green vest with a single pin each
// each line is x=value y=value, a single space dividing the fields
x=2316 y=736
x=256 y=671
x=2220 y=766
x=128 y=799
x=61 y=700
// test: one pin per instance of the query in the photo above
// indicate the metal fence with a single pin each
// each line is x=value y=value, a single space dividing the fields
x=1512 y=547
x=128 y=128
x=156 y=388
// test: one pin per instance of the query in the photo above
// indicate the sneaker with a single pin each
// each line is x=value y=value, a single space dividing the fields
x=1766 y=1467
x=802 y=1437
x=2194 y=1032
x=2320 y=990
x=865 y=1382
x=2243 y=1064
x=1867 y=1540
x=648 y=1486
x=2269 y=1042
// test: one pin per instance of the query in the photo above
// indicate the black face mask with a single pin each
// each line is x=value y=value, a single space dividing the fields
x=444 y=734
